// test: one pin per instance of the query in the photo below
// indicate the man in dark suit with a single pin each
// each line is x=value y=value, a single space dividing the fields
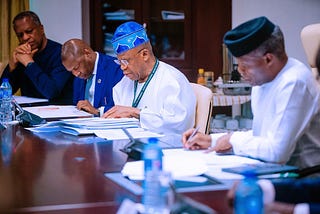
x=35 y=66
x=96 y=74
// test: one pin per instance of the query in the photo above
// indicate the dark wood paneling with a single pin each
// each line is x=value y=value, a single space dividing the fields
x=206 y=22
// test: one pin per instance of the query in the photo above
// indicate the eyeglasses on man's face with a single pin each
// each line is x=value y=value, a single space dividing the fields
x=125 y=62
x=121 y=62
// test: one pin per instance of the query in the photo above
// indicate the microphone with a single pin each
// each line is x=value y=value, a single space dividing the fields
x=25 y=118
x=134 y=148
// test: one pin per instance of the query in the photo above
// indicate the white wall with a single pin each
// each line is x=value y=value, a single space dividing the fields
x=61 y=18
x=290 y=15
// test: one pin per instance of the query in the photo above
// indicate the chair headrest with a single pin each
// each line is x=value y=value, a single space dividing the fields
x=310 y=37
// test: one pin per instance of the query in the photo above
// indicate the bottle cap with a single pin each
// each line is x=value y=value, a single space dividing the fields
x=153 y=140
x=201 y=70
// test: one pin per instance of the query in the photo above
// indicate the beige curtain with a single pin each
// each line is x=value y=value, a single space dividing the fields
x=8 y=41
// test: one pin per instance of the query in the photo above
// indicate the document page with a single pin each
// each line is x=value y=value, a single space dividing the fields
x=57 y=111
x=28 y=100
x=118 y=134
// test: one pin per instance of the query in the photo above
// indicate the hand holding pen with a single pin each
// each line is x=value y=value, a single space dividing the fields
x=193 y=139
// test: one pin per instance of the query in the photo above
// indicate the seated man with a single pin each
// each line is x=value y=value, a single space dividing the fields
x=285 y=101
x=153 y=91
x=290 y=196
x=35 y=66
x=90 y=67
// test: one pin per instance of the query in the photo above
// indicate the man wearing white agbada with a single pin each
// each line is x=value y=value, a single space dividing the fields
x=285 y=101
x=153 y=91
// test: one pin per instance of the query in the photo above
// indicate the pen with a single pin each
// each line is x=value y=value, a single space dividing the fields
x=193 y=133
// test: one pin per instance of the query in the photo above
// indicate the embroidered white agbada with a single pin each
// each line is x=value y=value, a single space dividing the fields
x=168 y=103
x=286 y=119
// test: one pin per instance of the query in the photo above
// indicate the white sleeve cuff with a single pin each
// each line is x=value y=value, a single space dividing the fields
x=301 y=209
x=101 y=110
x=268 y=191
x=214 y=138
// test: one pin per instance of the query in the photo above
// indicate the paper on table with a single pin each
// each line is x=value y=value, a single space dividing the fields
x=102 y=123
x=214 y=162
x=28 y=100
x=118 y=134
x=57 y=111
x=179 y=166
x=212 y=158
x=86 y=126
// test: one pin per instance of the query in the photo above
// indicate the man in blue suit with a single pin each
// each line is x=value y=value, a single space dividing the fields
x=96 y=74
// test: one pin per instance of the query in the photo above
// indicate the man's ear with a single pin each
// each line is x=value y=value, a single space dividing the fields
x=145 y=54
x=268 y=57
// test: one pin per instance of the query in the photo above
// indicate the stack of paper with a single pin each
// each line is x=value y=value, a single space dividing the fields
x=172 y=15
x=120 y=15
x=85 y=126
x=110 y=128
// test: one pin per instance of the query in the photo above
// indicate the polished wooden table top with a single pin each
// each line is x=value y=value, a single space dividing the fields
x=60 y=173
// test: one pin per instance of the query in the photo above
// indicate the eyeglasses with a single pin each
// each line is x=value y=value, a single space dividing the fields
x=125 y=62
x=121 y=62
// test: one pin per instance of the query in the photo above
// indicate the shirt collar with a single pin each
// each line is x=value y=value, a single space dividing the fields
x=96 y=64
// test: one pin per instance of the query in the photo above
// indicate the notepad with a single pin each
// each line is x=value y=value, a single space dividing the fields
x=261 y=168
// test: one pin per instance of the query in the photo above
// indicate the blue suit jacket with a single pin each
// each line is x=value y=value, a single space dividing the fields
x=108 y=75
x=295 y=191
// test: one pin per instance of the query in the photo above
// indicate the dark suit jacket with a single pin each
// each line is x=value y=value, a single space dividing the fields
x=108 y=75
x=295 y=191
x=45 y=78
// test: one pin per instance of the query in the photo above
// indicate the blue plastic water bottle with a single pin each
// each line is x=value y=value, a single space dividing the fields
x=153 y=199
x=6 y=101
x=249 y=196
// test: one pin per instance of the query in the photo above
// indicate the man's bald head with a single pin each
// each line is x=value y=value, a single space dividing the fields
x=78 y=57
x=74 y=48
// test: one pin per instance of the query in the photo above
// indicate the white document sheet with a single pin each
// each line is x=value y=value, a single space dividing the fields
x=179 y=167
x=118 y=134
x=57 y=111
x=28 y=100
x=184 y=162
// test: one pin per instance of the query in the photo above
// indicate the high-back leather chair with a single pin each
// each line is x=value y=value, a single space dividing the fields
x=203 y=107
x=310 y=37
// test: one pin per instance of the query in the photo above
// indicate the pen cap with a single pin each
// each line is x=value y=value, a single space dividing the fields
x=152 y=156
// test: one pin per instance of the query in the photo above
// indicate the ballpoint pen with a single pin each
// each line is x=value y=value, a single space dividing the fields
x=193 y=133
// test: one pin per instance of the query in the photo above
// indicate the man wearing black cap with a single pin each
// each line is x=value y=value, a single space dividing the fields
x=284 y=100
x=151 y=90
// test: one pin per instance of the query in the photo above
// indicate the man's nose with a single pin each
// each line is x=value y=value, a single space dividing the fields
x=76 y=73
x=25 y=37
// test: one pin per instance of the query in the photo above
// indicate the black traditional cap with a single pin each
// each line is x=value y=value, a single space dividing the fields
x=248 y=36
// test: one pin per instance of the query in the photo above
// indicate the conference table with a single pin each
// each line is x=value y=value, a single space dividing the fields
x=61 y=173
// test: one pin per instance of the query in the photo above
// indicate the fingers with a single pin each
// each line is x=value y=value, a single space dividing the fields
x=231 y=194
x=24 y=49
x=186 y=135
x=121 y=112
x=109 y=113
x=187 y=143
x=86 y=106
